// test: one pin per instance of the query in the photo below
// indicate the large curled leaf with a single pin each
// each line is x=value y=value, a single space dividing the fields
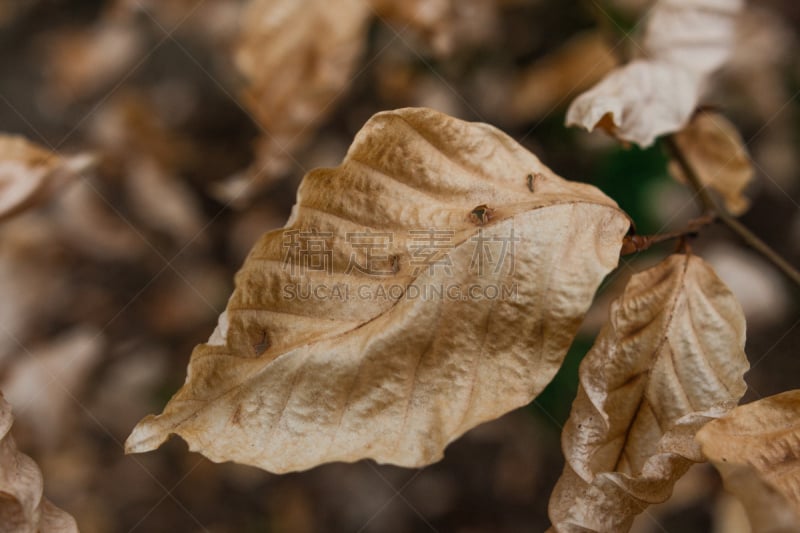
x=23 y=509
x=684 y=41
x=756 y=448
x=671 y=357
x=381 y=371
x=28 y=173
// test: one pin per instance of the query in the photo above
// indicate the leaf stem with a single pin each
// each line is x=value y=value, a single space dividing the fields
x=709 y=205
x=638 y=243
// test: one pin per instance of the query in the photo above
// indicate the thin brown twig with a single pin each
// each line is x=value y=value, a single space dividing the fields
x=711 y=206
x=638 y=243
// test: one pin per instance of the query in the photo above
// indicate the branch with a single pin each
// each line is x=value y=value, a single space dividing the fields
x=711 y=206
x=638 y=243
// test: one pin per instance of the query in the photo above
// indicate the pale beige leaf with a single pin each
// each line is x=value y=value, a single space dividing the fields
x=756 y=448
x=684 y=42
x=716 y=151
x=670 y=358
x=286 y=382
x=23 y=509
x=696 y=34
x=298 y=58
x=638 y=102
x=29 y=173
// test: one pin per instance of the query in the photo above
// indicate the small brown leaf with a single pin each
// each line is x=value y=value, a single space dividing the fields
x=717 y=154
x=550 y=82
x=756 y=448
x=29 y=174
x=23 y=509
x=387 y=369
x=298 y=58
x=83 y=61
x=670 y=357
x=29 y=381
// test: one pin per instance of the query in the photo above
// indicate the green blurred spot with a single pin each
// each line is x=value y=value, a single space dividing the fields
x=555 y=401
x=628 y=175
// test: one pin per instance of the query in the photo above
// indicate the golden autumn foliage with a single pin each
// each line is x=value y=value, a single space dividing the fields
x=305 y=382
x=436 y=271
x=670 y=358
x=756 y=448
x=23 y=509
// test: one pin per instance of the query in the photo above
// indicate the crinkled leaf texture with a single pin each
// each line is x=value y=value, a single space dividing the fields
x=684 y=42
x=28 y=173
x=670 y=358
x=756 y=448
x=716 y=152
x=288 y=383
x=23 y=509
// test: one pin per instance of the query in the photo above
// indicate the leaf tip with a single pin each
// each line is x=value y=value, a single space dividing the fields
x=146 y=436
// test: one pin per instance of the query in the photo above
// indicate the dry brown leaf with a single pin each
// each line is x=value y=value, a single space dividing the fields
x=549 y=83
x=43 y=382
x=671 y=357
x=716 y=151
x=165 y=201
x=30 y=174
x=286 y=383
x=32 y=287
x=756 y=448
x=23 y=509
x=82 y=61
x=298 y=58
x=684 y=41
x=87 y=222
x=140 y=146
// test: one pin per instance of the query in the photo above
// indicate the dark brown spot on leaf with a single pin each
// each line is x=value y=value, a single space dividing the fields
x=481 y=215
x=262 y=343
x=533 y=179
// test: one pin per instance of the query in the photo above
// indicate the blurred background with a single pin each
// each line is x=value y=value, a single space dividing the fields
x=202 y=116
